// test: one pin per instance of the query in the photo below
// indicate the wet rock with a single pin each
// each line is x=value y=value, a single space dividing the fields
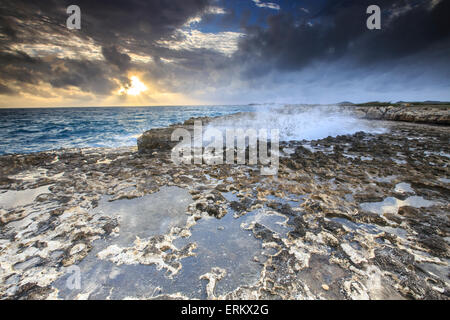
x=369 y=217
x=299 y=228
x=213 y=277
x=437 y=246
x=408 y=211
x=110 y=226
x=418 y=114
x=282 y=208
x=215 y=211
x=156 y=139
x=332 y=226
x=47 y=225
x=402 y=264
x=355 y=256
x=393 y=217
x=241 y=207
x=57 y=212
x=32 y=262
x=31 y=291
x=261 y=232
x=326 y=239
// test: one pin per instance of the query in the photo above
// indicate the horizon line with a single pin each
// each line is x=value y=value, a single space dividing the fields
x=228 y=105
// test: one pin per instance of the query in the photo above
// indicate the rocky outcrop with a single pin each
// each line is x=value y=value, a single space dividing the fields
x=159 y=139
x=155 y=139
x=418 y=114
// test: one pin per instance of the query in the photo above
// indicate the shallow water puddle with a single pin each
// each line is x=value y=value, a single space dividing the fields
x=224 y=244
x=230 y=196
x=274 y=222
x=399 y=232
x=101 y=279
x=404 y=188
x=384 y=179
x=350 y=225
x=12 y=199
x=220 y=243
x=147 y=216
x=438 y=270
x=291 y=199
x=391 y=205
x=151 y=215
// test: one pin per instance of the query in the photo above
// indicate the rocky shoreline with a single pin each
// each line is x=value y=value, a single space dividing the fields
x=362 y=216
x=418 y=114
x=160 y=138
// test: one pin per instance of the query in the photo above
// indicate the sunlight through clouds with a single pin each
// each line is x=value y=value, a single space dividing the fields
x=135 y=88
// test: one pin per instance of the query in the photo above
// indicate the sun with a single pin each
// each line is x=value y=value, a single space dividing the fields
x=135 y=88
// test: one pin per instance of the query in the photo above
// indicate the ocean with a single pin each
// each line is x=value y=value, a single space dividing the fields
x=34 y=130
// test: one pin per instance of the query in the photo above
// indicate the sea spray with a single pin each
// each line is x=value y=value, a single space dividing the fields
x=301 y=122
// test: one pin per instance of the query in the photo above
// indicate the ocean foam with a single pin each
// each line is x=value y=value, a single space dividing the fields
x=302 y=122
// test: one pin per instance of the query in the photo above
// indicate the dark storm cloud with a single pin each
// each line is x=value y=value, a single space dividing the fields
x=21 y=67
x=112 y=20
x=112 y=55
x=339 y=30
x=88 y=76
x=331 y=35
x=6 y=28
x=113 y=25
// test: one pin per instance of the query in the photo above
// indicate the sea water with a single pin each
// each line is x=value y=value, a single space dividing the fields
x=41 y=129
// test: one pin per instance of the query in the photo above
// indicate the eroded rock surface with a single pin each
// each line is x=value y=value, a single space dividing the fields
x=320 y=229
x=419 y=114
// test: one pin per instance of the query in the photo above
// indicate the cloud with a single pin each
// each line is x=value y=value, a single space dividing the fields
x=269 y=5
x=225 y=43
x=213 y=51
x=115 y=37
x=59 y=46
x=6 y=90
x=291 y=44
x=212 y=10
x=113 y=56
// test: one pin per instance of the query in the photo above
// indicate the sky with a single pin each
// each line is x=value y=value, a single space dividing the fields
x=210 y=52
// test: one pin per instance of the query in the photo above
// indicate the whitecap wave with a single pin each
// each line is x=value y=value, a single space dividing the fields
x=301 y=122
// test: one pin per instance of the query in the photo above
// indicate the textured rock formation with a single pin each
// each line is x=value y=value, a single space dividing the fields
x=362 y=216
x=418 y=114
x=155 y=139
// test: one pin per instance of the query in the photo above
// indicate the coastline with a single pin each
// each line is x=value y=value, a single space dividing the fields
x=316 y=230
x=439 y=115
